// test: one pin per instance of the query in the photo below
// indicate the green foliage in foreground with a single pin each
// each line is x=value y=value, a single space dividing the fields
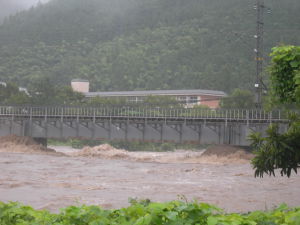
x=285 y=75
x=277 y=150
x=144 y=213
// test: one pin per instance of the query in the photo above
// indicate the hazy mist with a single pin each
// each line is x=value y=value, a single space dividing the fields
x=8 y=7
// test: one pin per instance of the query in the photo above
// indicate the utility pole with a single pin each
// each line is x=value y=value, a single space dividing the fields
x=259 y=56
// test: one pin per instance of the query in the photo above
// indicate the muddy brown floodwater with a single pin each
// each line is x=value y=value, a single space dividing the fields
x=52 y=182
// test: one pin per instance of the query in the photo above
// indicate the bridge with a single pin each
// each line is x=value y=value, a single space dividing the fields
x=204 y=126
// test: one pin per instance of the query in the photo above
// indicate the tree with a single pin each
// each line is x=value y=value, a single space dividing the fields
x=161 y=101
x=238 y=99
x=285 y=75
x=19 y=98
x=276 y=150
x=108 y=101
x=66 y=96
x=10 y=94
x=42 y=91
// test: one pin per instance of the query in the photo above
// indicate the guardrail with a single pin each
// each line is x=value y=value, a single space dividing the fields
x=128 y=112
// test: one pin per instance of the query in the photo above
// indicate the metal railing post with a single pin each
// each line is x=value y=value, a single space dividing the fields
x=226 y=117
x=30 y=114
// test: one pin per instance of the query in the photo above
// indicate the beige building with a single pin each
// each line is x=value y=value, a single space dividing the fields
x=189 y=98
x=79 y=85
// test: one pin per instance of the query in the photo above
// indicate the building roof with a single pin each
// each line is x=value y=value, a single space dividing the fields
x=79 y=80
x=156 y=92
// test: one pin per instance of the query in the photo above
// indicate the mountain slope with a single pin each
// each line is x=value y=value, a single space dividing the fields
x=10 y=7
x=142 y=44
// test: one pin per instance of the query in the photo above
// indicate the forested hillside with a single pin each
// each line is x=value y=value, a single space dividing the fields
x=10 y=7
x=142 y=44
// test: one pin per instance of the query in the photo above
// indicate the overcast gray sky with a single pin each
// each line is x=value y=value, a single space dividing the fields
x=25 y=3
x=8 y=7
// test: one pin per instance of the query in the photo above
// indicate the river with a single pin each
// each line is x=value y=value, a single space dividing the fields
x=53 y=182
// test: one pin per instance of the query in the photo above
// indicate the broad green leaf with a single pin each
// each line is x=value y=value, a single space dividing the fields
x=212 y=220
x=295 y=64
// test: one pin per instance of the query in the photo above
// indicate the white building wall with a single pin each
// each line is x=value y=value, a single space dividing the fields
x=80 y=86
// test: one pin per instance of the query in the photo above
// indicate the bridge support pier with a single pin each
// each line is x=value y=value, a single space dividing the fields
x=41 y=141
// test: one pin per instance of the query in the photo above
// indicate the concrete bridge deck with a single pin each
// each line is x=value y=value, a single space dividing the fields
x=133 y=123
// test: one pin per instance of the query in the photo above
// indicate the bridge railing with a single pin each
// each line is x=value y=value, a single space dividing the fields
x=175 y=113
